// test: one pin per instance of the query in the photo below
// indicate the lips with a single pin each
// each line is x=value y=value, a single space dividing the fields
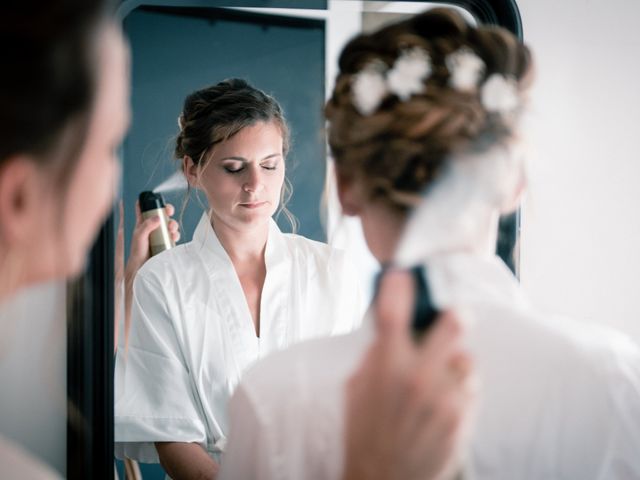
x=252 y=205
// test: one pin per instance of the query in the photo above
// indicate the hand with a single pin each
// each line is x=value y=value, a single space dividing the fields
x=407 y=402
x=140 y=253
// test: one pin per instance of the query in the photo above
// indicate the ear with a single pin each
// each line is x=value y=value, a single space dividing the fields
x=348 y=194
x=19 y=199
x=190 y=170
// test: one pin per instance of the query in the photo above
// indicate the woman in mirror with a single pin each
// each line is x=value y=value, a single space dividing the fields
x=423 y=129
x=203 y=312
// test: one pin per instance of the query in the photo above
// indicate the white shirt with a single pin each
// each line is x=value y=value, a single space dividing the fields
x=559 y=399
x=193 y=336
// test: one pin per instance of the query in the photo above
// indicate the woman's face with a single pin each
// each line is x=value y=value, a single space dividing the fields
x=88 y=199
x=244 y=176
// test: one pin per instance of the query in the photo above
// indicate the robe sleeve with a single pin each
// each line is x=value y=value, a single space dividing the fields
x=249 y=452
x=155 y=399
x=347 y=294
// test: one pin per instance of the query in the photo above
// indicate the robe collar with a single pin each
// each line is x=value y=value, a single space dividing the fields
x=208 y=245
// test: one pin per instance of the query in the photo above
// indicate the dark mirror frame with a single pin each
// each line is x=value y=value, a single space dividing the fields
x=90 y=298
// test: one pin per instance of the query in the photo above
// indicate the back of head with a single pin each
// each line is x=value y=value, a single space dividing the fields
x=413 y=93
x=47 y=86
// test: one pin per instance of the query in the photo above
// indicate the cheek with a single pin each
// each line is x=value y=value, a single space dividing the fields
x=276 y=182
x=49 y=239
x=221 y=189
x=90 y=199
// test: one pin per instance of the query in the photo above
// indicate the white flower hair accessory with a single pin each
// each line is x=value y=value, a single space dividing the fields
x=369 y=87
x=465 y=68
x=409 y=71
x=375 y=81
x=499 y=94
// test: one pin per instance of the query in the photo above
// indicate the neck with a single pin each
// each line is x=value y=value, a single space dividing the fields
x=242 y=244
x=383 y=230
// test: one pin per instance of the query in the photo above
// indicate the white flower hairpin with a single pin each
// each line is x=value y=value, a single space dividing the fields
x=407 y=77
x=375 y=81
x=499 y=94
x=369 y=87
x=409 y=72
x=465 y=69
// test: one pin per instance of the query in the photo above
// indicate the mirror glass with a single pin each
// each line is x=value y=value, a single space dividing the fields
x=289 y=53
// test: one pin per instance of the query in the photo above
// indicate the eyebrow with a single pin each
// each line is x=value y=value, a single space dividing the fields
x=242 y=159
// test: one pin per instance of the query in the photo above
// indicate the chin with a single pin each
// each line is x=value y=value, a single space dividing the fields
x=75 y=262
x=257 y=216
x=77 y=267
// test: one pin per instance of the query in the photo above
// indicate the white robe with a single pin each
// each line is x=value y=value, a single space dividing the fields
x=193 y=336
x=559 y=399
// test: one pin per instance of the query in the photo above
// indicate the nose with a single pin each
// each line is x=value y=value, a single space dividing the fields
x=253 y=181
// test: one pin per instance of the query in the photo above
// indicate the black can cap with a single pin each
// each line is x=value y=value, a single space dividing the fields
x=150 y=201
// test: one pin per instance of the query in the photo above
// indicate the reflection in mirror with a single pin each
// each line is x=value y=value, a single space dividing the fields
x=223 y=154
x=204 y=311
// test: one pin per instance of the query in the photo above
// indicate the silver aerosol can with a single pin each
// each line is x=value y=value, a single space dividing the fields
x=153 y=204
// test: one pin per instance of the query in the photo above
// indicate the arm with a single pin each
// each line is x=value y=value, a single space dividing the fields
x=154 y=396
x=417 y=393
x=186 y=461
x=139 y=254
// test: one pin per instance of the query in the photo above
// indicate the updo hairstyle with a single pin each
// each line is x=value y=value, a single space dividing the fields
x=216 y=113
x=398 y=149
x=48 y=82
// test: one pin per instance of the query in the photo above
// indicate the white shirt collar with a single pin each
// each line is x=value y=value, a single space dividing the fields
x=207 y=243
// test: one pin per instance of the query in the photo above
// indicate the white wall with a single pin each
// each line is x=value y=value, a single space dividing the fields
x=581 y=224
x=33 y=407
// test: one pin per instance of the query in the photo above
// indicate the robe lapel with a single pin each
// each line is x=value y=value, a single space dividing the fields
x=228 y=297
x=275 y=305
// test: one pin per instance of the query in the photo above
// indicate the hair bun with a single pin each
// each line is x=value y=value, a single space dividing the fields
x=413 y=93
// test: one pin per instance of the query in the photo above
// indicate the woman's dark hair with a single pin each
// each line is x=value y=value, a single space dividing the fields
x=398 y=149
x=48 y=81
x=216 y=113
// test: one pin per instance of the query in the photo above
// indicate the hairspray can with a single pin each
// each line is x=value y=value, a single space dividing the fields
x=153 y=204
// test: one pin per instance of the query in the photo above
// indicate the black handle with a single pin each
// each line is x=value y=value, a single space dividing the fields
x=424 y=312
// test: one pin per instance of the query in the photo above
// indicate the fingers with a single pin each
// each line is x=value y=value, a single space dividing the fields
x=170 y=209
x=445 y=337
x=120 y=216
x=147 y=226
x=138 y=212
x=394 y=302
x=174 y=230
x=441 y=364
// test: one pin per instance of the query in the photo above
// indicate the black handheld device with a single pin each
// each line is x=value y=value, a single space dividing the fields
x=424 y=312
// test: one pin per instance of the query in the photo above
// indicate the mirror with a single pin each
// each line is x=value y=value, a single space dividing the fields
x=290 y=54
x=175 y=52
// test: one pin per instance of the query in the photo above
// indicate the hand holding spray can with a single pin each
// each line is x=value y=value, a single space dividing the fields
x=153 y=204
